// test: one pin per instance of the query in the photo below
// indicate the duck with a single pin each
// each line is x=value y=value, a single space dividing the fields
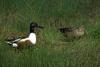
x=17 y=42
x=73 y=32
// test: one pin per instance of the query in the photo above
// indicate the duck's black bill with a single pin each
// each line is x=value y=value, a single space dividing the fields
x=63 y=30
x=40 y=27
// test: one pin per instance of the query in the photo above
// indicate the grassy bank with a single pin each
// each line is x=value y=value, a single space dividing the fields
x=52 y=48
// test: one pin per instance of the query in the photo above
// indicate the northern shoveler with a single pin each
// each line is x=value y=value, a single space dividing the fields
x=73 y=32
x=31 y=39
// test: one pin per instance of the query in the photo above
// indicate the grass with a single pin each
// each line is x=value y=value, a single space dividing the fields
x=52 y=48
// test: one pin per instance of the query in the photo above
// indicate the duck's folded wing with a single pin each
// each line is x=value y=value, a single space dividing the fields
x=14 y=41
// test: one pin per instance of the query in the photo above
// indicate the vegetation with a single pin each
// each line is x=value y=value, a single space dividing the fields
x=52 y=48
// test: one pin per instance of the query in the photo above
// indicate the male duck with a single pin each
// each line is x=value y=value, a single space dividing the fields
x=31 y=39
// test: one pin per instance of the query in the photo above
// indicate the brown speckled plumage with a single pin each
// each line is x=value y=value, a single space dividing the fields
x=73 y=32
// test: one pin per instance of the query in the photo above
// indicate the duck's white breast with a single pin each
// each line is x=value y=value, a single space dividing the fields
x=32 y=38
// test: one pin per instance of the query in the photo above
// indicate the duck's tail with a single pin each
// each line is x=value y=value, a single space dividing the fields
x=12 y=44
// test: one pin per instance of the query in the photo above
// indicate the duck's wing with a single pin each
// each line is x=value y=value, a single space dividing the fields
x=13 y=39
x=16 y=40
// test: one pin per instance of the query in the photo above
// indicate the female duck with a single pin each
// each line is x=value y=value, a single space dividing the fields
x=73 y=32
